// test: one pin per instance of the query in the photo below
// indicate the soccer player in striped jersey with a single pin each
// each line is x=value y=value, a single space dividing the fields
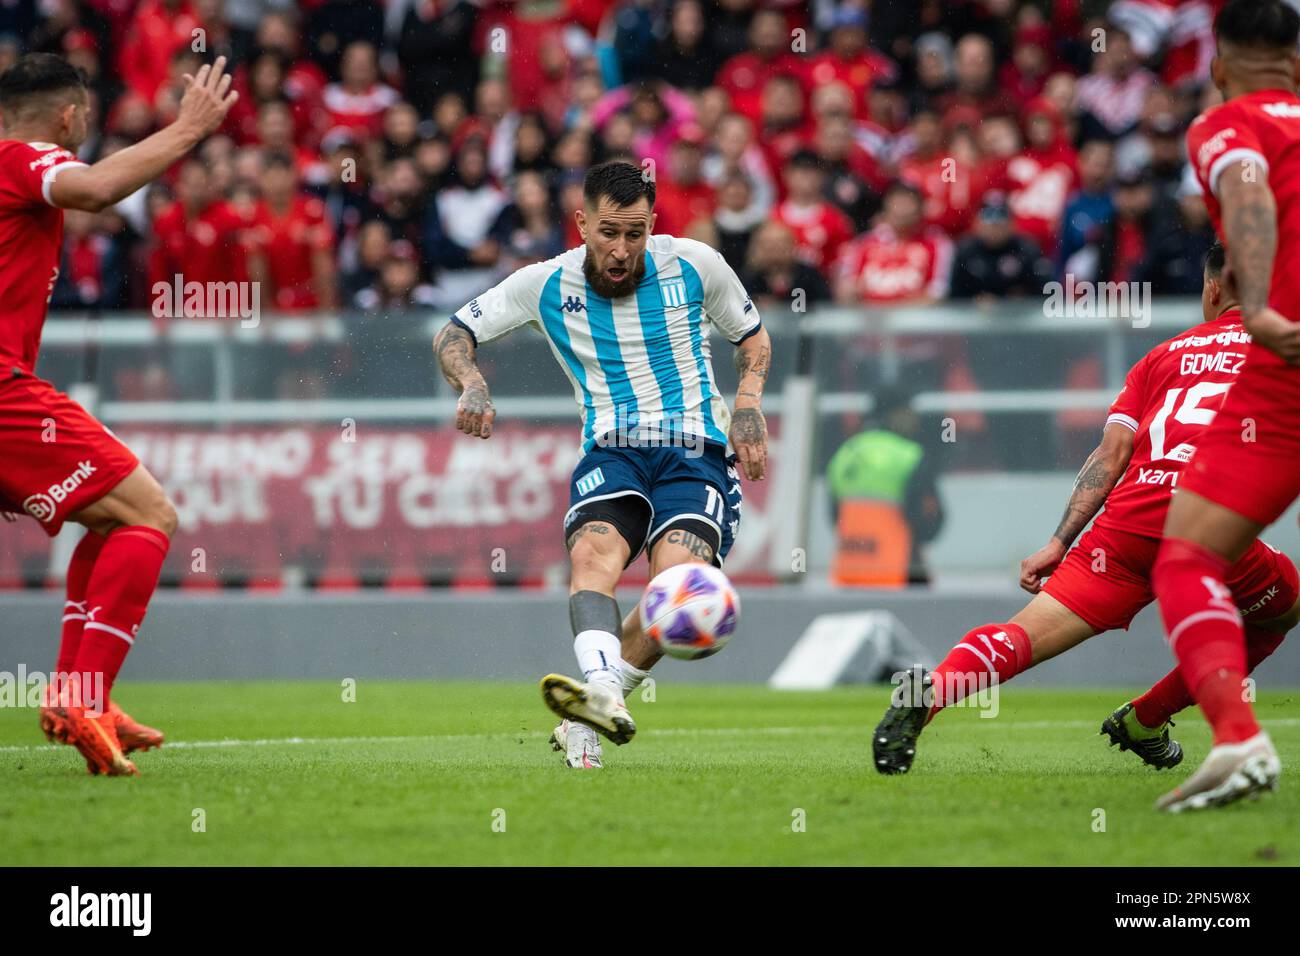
x=627 y=316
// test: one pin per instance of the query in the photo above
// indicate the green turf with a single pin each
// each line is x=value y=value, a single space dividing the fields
x=715 y=776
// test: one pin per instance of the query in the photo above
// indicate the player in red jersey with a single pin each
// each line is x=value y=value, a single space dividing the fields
x=1167 y=403
x=1246 y=470
x=57 y=463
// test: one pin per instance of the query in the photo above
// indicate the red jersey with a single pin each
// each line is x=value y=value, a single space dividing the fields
x=952 y=189
x=745 y=74
x=1264 y=127
x=31 y=237
x=1168 y=399
x=820 y=230
x=886 y=267
x=289 y=243
x=210 y=247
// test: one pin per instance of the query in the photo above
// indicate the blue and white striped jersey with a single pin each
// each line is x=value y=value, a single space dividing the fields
x=641 y=361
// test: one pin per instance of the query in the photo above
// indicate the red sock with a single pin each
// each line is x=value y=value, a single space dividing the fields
x=1170 y=695
x=123 y=580
x=74 y=608
x=1205 y=634
x=991 y=653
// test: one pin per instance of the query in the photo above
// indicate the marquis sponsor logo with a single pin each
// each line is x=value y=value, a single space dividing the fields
x=75 y=908
x=179 y=299
x=44 y=504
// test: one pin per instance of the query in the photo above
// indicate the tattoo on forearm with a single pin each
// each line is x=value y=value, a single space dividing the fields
x=1096 y=478
x=1250 y=228
x=754 y=361
x=455 y=350
x=747 y=426
x=693 y=543
x=591 y=527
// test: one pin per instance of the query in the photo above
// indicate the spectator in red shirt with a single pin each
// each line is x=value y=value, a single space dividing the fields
x=746 y=75
x=683 y=196
x=275 y=135
x=158 y=30
x=293 y=242
x=200 y=237
x=820 y=229
x=849 y=60
x=947 y=178
x=358 y=100
x=901 y=261
x=973 y=66
x=784 y=124
x=1031 y=62
x=1042 y=177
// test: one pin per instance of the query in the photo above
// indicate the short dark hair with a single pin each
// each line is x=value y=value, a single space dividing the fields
x=805 y=159
x=37 y=74
x=1258 y=24
x=619 y=181
x=1214 y=260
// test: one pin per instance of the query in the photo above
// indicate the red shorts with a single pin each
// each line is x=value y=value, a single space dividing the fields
x=55 y=458
x=1106 y=579
x=1248 y=458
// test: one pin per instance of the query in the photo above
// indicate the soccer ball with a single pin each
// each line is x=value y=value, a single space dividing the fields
x=690 y=610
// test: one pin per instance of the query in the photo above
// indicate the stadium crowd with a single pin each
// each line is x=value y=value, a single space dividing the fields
x=410 y=153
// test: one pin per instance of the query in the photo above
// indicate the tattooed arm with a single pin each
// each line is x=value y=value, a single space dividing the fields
x=455 y=349
x=1250 y=236
x=1095 y=480
x=748 y=428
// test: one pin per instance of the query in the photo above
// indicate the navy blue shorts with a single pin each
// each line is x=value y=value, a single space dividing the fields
x=679 y=484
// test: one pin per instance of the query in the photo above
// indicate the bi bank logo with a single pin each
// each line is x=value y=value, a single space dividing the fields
x=44 y=504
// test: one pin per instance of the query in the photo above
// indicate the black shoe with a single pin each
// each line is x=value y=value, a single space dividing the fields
x=894 y=741
x=1153 y=746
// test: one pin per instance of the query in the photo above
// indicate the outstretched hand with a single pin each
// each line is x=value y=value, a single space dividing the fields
x=207 y=98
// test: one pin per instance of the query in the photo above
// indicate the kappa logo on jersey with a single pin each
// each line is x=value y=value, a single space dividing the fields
x=590 y=481
x=674 y=292
x=573 y=304
x=1282 y=110
x=43 y=505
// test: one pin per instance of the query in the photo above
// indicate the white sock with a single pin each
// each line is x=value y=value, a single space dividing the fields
x=600 y=658
x=632 y=677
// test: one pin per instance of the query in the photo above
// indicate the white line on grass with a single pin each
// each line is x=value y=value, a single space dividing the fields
x=659 y=732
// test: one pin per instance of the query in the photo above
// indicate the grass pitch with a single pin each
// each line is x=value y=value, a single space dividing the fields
x=428 y=773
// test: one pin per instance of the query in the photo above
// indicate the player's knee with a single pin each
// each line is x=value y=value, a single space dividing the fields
x=160 y=513
x=597 y=547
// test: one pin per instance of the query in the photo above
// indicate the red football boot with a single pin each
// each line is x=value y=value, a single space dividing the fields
x=132 y=735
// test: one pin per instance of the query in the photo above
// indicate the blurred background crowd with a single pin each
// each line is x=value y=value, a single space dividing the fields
x=388 y=161
x=410 y=153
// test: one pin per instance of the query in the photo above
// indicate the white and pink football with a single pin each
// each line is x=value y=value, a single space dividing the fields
x=690 y=610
